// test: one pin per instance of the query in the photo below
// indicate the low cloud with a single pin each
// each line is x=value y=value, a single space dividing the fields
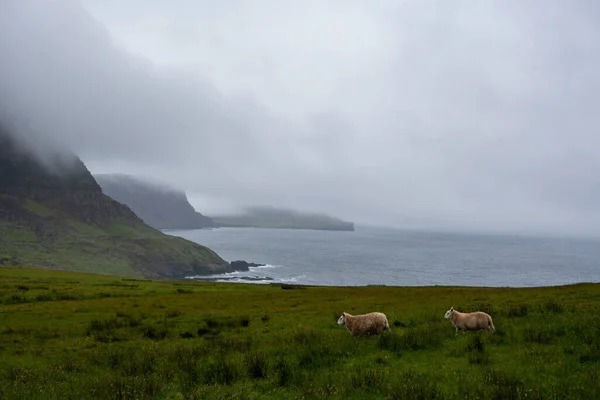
x=412 y=114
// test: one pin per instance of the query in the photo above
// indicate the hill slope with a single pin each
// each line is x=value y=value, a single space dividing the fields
x=159 y=206
x=53 y=214
x=267 y=217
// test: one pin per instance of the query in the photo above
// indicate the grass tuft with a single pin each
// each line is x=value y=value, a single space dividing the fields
x=257 y=365
x=156 y=332
x=414 y=386
x=552 y=307
x=476 y=353
x=517 y=310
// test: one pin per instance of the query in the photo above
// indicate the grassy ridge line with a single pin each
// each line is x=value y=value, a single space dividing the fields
x=107 y=253
x=88 y=336
x=52 y=238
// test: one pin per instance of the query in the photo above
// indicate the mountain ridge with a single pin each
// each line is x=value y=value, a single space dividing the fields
x=53 y=214
x=157 y=204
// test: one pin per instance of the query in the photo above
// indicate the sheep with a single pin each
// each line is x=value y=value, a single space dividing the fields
x=367 y=324
x=470 y=321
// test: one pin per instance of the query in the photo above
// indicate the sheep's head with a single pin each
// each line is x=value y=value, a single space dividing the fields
x=449 y=313
x=342 y=319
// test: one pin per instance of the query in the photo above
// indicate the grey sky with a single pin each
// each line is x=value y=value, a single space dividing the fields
x=460 y=115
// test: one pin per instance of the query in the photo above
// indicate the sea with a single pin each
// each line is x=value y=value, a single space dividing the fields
x=394 y=257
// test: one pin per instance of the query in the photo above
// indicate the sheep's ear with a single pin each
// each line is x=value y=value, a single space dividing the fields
x=451 y=308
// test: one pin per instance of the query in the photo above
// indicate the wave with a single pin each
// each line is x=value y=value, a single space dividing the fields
x=266 y=266
x=253 y=275
x=256 y=280
x=221 y=278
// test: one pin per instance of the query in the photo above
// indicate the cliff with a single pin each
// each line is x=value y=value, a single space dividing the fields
x=159 y=206
x=275 y=218
x=53 y=214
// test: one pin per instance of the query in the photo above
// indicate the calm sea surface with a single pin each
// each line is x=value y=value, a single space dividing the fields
x=394 y=257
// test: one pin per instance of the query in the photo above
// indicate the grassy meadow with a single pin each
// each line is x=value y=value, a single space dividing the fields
x=70 y=335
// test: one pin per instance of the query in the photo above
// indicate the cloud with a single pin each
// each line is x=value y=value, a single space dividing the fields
x=430 y=114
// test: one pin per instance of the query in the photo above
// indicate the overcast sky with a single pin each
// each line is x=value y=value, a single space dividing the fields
x=454 y=115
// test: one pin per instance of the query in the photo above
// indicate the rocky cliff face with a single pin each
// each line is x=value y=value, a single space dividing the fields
x=53 y=214
x=157 y=205
x=60 y=181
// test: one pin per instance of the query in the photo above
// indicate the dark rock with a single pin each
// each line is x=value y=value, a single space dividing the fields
x=240 y=265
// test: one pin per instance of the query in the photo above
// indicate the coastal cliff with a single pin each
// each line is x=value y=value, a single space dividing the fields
x=157 y=205
x=53 y=214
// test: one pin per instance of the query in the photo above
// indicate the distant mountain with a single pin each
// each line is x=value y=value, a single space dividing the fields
x=159 y=206
x=276 y=218
x=53 y=214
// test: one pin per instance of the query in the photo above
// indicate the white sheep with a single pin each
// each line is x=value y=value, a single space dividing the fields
x=470 y=321
x=367 y=324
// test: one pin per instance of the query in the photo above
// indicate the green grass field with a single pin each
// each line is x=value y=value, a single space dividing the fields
x=78 y=336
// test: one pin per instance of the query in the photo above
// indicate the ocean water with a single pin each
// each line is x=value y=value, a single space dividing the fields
x=374 y=256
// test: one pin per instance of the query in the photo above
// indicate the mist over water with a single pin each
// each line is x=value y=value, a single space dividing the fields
x=376 y=256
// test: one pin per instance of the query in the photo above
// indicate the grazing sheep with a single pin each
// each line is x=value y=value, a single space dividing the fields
x=367 y=324
x=470 y=321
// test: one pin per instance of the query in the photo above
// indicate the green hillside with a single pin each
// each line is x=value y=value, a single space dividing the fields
x=57 y=240
x=53 y=214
